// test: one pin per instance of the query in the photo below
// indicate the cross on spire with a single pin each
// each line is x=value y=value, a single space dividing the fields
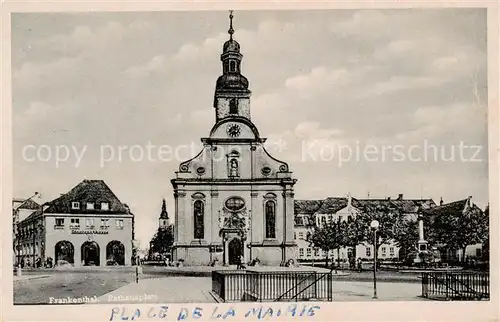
x=231 y=30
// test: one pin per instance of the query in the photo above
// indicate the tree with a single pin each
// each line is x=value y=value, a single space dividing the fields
x=326 y=237
x=406 y=236
x=386 y=215
x=485 y=253
x=457 y=231
x=353 y=234
x=163 y=240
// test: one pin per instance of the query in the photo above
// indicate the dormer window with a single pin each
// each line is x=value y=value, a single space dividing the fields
x=90 y=206
x=104 y=205
x=75 y=205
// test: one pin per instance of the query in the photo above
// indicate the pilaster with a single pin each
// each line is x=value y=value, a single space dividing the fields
x=257 y=220
x=214 y=195
x=102 y=254
x=180 y=218
x=77 y=254
x=288 y=215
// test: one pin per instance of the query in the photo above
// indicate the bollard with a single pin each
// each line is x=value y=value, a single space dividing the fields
x=138 y=270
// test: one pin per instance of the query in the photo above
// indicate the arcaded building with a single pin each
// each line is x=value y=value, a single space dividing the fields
x=233 y=199
x=87 y=226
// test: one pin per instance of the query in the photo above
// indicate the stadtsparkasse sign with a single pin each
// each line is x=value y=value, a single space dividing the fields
x=90 y=232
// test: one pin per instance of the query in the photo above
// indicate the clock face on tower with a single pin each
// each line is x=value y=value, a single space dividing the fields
x=233 y=130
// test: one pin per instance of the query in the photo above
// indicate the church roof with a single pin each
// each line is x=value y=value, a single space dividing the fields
x=231 y=45
x=95 y=191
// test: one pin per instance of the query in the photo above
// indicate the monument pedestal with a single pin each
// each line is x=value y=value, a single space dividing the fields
x=422 y=245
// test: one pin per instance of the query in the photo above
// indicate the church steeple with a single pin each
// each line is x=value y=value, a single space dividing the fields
x=164 y=221
x=232 y=96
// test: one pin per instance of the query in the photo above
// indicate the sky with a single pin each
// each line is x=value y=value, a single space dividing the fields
x=91 y=91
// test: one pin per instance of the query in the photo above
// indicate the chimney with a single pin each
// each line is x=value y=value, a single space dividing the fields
x=441 y=202
x=388 y=198
x=400 y=196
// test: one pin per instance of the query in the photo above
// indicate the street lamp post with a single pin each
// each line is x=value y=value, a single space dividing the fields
x=374 y=225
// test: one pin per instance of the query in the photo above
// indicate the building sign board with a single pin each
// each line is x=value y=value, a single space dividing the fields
x=88 y=232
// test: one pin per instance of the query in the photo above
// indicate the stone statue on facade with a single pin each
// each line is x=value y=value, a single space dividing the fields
x=233 y=168
x=248 y=220
x=221 y=220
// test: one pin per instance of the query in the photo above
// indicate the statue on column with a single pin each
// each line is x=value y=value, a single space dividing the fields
x=233 y=168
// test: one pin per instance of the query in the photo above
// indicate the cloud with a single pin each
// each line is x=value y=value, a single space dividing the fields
x=322 y=77
x=38 y=110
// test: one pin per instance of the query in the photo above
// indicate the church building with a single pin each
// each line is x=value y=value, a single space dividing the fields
x=233 y=200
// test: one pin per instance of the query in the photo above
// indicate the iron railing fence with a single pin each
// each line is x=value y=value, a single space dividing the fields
x=464 y=286
x=247 y=285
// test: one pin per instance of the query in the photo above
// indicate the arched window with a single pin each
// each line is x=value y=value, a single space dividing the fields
x=233 y=106
x=270 y=208
x=199 y=214
x=232 y=65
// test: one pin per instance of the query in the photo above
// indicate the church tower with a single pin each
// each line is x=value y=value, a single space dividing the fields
x=164 y=221
x=233 y=199
x=232 y=96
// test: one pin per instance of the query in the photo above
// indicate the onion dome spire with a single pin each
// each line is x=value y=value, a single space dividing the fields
x=231 y=78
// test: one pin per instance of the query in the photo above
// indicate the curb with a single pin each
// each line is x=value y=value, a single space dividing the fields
x=31 y=278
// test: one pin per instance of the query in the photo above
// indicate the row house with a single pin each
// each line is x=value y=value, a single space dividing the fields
x=311 y=213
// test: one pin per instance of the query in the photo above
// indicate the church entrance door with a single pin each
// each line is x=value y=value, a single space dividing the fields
x=235 y=249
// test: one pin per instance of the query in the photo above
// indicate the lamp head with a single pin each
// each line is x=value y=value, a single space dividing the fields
x=374 y=224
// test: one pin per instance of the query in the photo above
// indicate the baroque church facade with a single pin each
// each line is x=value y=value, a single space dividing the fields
x=233 y=200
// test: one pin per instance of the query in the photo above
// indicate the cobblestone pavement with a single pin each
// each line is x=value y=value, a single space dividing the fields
x=197 y=289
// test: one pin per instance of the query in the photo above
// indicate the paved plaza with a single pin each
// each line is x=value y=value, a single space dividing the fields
x=186 y=284
x=197 y=289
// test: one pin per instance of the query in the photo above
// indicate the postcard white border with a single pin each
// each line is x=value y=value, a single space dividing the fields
x=335 y=311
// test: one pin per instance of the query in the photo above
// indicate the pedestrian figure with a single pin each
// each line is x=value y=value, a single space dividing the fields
x=360 y=265
x=241 y=264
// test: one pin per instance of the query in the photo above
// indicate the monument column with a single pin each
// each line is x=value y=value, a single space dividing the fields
x=226 y=251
